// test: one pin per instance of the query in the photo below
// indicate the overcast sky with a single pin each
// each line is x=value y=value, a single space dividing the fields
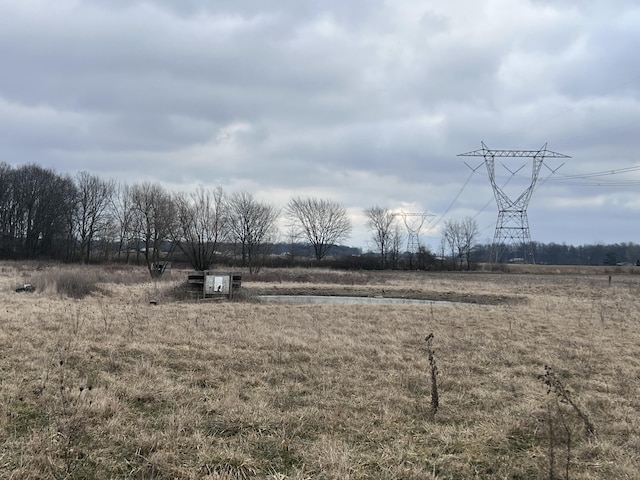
x=367 y=102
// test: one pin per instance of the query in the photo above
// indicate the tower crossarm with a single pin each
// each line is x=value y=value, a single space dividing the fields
x=538 y=156
x=415 y=221
x=513 y=153
x=543 y=152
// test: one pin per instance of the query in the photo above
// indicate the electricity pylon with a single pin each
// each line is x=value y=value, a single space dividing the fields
x=414 y=223
x=512 y=227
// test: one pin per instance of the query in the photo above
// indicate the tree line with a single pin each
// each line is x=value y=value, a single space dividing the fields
x=84 y=218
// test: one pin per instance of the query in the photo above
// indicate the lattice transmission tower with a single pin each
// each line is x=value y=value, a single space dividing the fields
x=512 y=226
x=414 y=223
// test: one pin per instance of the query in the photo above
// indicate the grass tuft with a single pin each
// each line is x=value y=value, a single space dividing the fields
x=231 y=469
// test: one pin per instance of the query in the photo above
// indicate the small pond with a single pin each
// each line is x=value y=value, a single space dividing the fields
x=339 y=300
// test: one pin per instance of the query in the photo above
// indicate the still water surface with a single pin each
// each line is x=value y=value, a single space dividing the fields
x=338 y=300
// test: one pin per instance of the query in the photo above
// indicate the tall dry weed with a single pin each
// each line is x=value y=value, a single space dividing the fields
x=433 y=371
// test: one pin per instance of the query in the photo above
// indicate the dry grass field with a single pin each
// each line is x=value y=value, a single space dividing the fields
x=102 y=384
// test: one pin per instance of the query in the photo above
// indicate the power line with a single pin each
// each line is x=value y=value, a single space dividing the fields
x=586 y=179
x=455 y=198
x=603 y=173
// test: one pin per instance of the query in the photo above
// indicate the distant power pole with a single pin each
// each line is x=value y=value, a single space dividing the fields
x=512 y=227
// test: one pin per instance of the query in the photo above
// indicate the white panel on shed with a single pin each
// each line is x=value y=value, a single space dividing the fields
x=216 y=284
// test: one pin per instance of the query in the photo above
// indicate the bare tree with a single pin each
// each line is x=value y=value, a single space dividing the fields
x=7 y=225
x=381 y=221
x=155 y=214
x=397 y=241
x=201 y=225
x=460 y=236
x=253 y=225
x=41 y=204
x=470 y=232
x=92 y=209
x=293 y=237
x=124 y=216
x=453 y=238
x=322 y=222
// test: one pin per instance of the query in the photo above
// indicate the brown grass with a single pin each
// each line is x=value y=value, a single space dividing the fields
x=111 y=386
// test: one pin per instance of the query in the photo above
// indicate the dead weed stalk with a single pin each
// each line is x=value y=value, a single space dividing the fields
x=433 y=367
x=560 y=431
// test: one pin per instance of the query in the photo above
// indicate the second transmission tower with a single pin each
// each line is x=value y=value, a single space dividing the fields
x=414 y=223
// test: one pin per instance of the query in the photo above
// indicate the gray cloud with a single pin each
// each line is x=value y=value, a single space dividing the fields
x=365 y=102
